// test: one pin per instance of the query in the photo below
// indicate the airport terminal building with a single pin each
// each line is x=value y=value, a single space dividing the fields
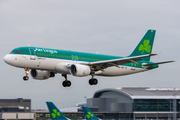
x=127 y=103
x=138 y=103
x=132 y=103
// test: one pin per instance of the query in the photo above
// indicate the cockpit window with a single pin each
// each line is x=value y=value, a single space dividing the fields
x=19 y=52
x=13 y=51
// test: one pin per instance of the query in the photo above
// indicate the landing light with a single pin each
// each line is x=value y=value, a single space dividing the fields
x=118 y=88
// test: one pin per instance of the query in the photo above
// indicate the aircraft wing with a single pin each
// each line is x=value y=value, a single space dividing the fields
x=116 y=62
x=157 y=63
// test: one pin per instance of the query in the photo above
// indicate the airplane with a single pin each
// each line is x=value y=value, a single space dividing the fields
x=54 y=112
x=89 y=114
x=45 y=62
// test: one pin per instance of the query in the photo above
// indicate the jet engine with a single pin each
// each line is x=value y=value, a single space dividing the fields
x=41 y=75
x=79 y=70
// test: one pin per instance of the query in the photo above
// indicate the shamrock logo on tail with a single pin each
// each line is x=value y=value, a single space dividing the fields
x=55 y=114
x=89 y=115
x=145 y=47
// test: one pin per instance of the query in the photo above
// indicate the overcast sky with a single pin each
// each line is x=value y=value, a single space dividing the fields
x=112 y=27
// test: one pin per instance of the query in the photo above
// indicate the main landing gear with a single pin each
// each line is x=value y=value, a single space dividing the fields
x=25 y=78
x=93 y=81
x=66 y=83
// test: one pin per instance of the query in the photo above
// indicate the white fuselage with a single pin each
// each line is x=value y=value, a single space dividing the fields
x=50 y=64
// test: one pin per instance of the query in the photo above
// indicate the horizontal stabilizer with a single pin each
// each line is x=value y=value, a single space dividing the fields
x=158 y=63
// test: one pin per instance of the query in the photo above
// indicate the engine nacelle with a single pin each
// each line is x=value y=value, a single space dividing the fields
x=80 y=70
x=41 y=75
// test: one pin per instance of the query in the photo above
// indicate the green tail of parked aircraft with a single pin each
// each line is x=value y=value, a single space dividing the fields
x=45 y=63
x=89 y=114
x=54 y=112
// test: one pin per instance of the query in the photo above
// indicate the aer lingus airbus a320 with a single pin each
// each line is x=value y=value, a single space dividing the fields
x=45 y=63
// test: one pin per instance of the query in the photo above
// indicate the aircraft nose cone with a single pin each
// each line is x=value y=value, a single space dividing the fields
x=7 y=59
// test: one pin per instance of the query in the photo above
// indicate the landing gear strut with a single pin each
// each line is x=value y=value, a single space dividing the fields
x=93 y=81
x=66 y=83
x=25 y=78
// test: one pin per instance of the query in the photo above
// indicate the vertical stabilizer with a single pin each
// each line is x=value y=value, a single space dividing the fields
x=88 y=113
x=54 y=112
x=145 y=45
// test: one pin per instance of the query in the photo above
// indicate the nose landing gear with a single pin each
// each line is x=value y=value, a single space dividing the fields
x=25 y=78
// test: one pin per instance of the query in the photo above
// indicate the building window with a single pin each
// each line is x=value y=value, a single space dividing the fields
x=16 y=115
x=154 y=105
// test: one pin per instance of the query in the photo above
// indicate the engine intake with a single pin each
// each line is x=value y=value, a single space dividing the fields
x=41 y=75
x=80 y=70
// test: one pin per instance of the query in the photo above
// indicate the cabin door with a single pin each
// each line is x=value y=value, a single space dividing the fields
x=133 y=66
x=32 y=54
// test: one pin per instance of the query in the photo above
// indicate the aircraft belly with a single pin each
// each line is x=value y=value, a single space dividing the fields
x=115 y=71
x=41 y=63
x=46 y=64
x=49 y=64
x=24 y=61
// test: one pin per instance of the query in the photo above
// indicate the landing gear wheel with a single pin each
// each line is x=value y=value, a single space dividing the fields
x=93 y=81
x=66 y=83
x=25 y=78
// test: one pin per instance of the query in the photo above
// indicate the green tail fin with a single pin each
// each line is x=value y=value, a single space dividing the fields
x=54 y=112
x=88 y=113
x=145 y=45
